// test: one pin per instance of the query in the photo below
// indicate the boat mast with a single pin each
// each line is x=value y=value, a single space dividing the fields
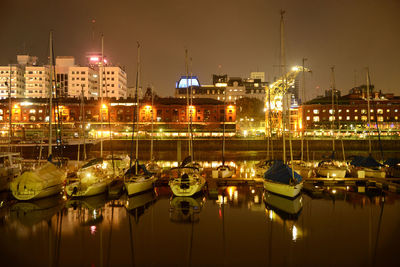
x=369 y=114
x=223 y=130
x=10 y=110
x=50 y=96
x=152 y=122
x=191 y=112
x=303 y=96
x=101 y=94
x=333 y=109
x=82 y=111
x=283 y=74
x=137 y=107
x=187 y=99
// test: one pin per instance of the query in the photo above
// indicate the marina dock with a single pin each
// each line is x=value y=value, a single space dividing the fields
x=387 y=184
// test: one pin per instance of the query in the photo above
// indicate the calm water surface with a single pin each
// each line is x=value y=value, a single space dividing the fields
x=235 y=226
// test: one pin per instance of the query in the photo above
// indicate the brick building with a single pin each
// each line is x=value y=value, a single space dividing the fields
x=350 y=112
x=170 y=116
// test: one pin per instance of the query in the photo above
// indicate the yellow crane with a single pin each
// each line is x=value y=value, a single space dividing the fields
x=275 y=97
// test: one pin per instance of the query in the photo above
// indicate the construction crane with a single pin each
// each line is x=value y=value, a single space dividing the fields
x=274 y=100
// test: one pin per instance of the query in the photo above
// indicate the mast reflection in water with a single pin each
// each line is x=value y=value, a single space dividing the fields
x=236 y=225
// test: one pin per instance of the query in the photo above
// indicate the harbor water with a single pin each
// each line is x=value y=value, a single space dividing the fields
x=239 y=225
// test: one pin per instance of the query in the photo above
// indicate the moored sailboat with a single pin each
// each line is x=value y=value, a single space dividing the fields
x=189 y=180
x=332 y=168
x=48 y=179
x=137 y=179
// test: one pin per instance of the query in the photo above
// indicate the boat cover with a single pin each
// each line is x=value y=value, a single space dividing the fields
x=369 y=162
x=282 y=173
x=141 y=169
x=46 y=176
x=92 y=162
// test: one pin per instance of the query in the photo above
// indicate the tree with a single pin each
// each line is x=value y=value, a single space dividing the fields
x=250 y=108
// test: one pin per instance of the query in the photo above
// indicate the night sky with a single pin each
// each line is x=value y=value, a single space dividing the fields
x=239 y=35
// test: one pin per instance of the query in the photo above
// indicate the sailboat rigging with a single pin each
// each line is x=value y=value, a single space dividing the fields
x=223 y=171
x=137 y=179
x=280 y=178
x=46 y=180
x=331 y=168
x=189 y=181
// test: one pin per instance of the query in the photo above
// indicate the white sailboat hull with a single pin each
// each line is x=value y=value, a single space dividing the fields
x=86 y=190
x=286 y=190
x=193 y=187
x=289 y=206
x=139 y=185
x=331 y=172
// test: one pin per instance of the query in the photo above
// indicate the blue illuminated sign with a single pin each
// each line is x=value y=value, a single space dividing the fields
x=191 y=81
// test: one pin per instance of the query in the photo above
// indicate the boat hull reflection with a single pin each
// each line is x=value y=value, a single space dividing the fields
x=138 y=204
x=33 y=212
x=186 y=209
x=284 y=207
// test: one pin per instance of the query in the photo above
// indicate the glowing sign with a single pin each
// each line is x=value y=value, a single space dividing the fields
x=94 y=59
x=184 y=82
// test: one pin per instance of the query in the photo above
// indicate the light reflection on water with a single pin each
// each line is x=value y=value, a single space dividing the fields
x=240 y=225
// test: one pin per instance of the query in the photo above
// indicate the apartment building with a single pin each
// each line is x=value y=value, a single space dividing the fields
x=114 y=82
x=82 y=78
x=12 y=75
x=37 y=81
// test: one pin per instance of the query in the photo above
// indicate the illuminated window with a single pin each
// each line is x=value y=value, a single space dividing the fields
x=324 y=110
x=364 y=118
x=372 y=118
x=396 y=118
x=340 y=110
x=316 y=111
x=363 y=111
x=32 y=111
x=380 y=118
x=388 y=110
x=379 y=111
x=347 y=110
x=356 y=118
x=308 y=118
x=396 y=110
x=331 y=118
x=316 y=118
x=331 y=111
x=340 y=118
x=348 y=118
x=372 y=111
x=356 y=110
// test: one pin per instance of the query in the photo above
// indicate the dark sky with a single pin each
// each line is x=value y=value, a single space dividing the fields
x=239 y=35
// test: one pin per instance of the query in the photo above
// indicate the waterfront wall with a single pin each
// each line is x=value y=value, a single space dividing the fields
x=236 y=149
x=210 y=149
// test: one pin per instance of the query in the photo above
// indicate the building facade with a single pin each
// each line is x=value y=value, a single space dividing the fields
x=350 y=113
x=37 y=81
x=12 y=75
x=31 y=80
x=170 y=117
x=223 y=88
x=83 y=79
x=114 y=82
